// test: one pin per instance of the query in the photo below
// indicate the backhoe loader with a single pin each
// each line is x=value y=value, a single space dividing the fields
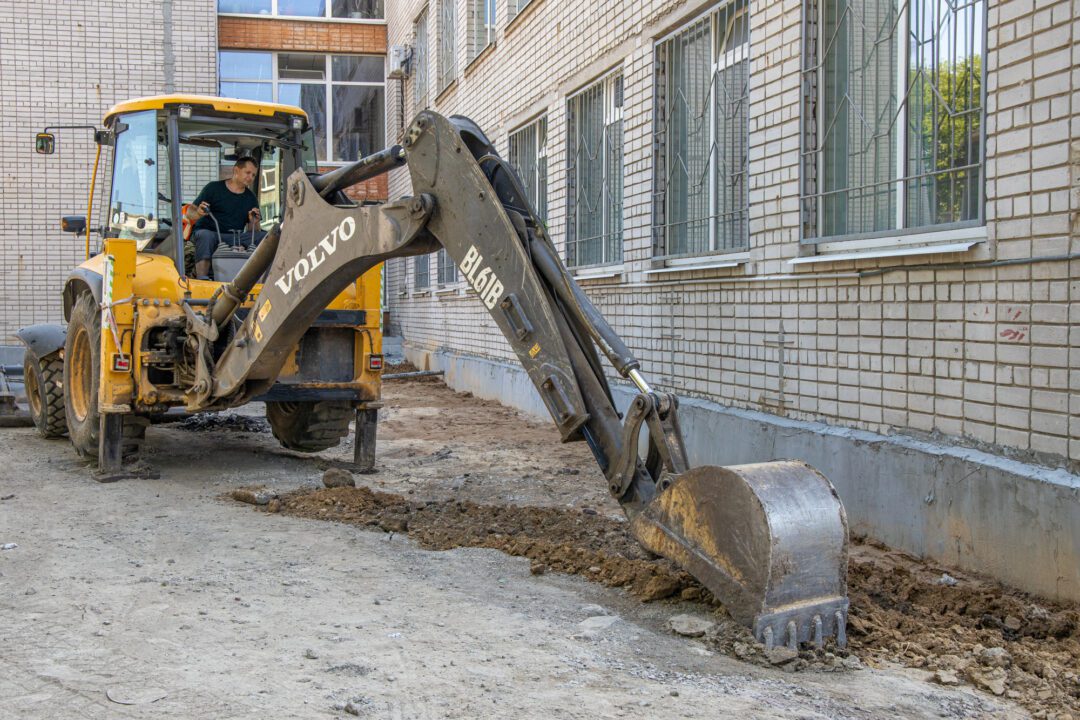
x=297 y=325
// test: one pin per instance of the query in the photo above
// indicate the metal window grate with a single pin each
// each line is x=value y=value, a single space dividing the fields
x=700 y=145
x=528 y=155
x=892 y=116
x=447 y=271
x=421 y=272
x=447 y=43
x=420 y=61
x=595 y=174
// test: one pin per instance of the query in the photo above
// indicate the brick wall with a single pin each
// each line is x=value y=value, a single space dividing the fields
x=930 y=345
x=66 y=64
x=307 y=35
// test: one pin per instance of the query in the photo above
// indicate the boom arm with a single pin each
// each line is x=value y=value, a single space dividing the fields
x=769 y=540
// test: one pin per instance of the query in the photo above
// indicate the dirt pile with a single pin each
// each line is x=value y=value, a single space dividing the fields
x=962 y=630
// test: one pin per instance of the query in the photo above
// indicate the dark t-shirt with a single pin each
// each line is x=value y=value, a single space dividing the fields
x=231 y=209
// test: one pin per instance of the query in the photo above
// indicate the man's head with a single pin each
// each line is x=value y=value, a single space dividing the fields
x=243 y=171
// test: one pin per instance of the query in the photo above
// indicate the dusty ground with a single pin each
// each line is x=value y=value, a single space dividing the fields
x=165 y=594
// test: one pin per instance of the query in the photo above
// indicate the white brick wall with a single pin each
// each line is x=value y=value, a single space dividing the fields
x=990 y=354
x=66 y=64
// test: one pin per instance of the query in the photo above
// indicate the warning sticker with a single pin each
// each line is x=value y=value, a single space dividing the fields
x=264 y=310
x=258 y=333
x=534 y=350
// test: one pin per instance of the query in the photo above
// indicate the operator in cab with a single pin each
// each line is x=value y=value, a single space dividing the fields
x=225 y=211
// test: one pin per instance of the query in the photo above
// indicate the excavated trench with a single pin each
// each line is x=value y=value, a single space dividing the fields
x=963 y=630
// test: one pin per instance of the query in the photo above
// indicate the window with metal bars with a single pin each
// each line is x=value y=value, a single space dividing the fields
x=420 y=61
x=701 y=137
x=594 y=174
x=447 y=43
x=481 y=26
x=447 y=270
x=421 y=272
x=892 y=117
x=528 y=155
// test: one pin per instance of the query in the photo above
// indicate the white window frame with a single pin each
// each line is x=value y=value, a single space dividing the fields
x=611 y=114
x=721 y=62
x=812 y=226
x=418 y=261
x=514 y=7
x=316 y=18
x=328 y=84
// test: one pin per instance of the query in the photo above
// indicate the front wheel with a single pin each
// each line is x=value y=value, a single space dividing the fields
x=82 y=366
x=45 y=393
x=309 y=426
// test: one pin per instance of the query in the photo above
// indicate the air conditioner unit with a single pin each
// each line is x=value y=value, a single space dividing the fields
x=397 y=62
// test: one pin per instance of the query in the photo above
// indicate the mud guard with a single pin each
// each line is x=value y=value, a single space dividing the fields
x=42 y=339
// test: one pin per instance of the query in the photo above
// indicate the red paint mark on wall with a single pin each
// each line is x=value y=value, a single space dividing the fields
x=1014 y=334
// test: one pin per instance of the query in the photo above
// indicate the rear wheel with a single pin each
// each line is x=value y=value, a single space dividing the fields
x=82 y=353
x=45 y=393
x=309 y=426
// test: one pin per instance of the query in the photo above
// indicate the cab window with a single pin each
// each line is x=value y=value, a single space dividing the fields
x=133 y=205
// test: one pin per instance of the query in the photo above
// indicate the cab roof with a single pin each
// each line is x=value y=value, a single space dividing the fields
x=220 y=104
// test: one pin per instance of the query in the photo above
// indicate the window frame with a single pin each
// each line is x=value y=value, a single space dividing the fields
x=309 y=18
x=481 y=27
x=446 y=60
x=425 y=261
x=612 y=113
x=421 y=60
x=720 y=61
x=539 y=203
x=327 y=82
x=812 y=161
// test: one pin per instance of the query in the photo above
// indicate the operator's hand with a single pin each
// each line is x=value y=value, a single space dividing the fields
x=199 y=211
x=254 y=216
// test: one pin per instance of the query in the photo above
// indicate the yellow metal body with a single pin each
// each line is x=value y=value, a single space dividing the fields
x=147 y=290
x=142 y=290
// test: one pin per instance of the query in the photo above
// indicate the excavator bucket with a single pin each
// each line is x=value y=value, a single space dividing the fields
x=769 y=540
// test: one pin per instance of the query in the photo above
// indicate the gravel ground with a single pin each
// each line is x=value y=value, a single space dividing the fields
x=162 y=597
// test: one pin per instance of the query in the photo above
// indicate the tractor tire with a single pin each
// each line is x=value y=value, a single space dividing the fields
x=45 y=393
x=309 y=426
x=82 y=365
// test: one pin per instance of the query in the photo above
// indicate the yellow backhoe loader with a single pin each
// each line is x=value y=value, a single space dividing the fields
x=294 y=321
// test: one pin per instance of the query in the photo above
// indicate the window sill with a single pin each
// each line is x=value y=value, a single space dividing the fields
x=449 y=290
x=471 y=66
x=933 y=243
x=305 y=18
x=420 y=293
x=597 y=272
x=446 y=91
x=707 y=262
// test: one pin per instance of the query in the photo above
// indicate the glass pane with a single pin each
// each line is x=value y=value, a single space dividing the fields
x=357 y=9
x=421 y=270
x=420 y=62
x=133 y=206
x=528 y=156
x=294 y=66
x=447 y=44
x=233 y=65
x=261 y=92
x=357 y=68
x=248 y=7
x=944 y=113
x=302 y=8
x=270 y=188
x=312 y=100
x=358 y=121
x=859 y=112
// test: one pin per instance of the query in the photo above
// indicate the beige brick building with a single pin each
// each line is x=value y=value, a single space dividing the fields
x=67 y=63
x=833 y=225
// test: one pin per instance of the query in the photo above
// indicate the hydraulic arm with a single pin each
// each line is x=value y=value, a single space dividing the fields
x=769 y=540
